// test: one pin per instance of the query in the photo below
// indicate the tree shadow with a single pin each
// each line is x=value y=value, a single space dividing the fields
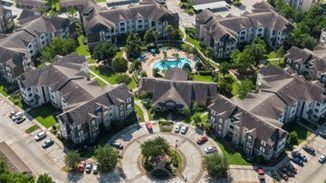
x=113 y=176
x=74 y=177
x=210 y=179
x=127 y=135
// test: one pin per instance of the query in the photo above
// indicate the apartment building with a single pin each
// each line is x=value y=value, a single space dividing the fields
x=6 y=20
x=175 y=92
x=310 y=64
x=33 y=32
x=33 y=4
x=304 y=4
x=108 y=25
x=77 y=5
x=224 y=35
x=86 y=106
x=255 y=123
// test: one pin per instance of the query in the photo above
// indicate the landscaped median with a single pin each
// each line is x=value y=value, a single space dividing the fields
x=31 y=129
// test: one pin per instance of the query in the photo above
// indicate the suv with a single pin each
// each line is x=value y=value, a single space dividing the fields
x=309 y=150
x=40 y=136
x=20 y=120
x=17 y=116
x=117 y=145
x=89 y=167
x=290 y=167
x=299 y=155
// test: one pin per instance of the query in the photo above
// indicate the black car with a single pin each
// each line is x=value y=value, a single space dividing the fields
x=117 y=145
x=322 y=134
x=297 y=161
x=48 y=143
x=286 y=171
x=283 y=175
x=290 y=167
x=296 y=154
x=309 y=150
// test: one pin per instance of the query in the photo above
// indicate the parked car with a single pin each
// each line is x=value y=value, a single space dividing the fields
x=194 y=24
x=88 y=167
x=95 y=169
x=81 y=166
x=322 y=134
x=261 y=173
x=202 y=139
x=297 y=161
x=283 y=175
x=322 y=158
x=17 y=115
x=290 y=167
x=210 y=149
x=276 y=176
x=12 y=113
x=47 y=143
x=286 y=171
x=309 y=150
x=20 y=120
x=184 y=129
x=117 y=145
x=40 y=136
x=185 y=25
x=177 y=128
x=149 y=126
x=299 y=155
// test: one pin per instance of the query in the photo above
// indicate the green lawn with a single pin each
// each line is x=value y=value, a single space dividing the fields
x=91 y=61
x=203 y=78
x=233 y=157
x=90 y=75
x=44 y=115
x=132 y=85
x=193 y=41
x=302 y=132
x=81 y=49
x=119 y=53
x=31 y=129
x=275 y=62
x=100 y=1
x=105 y=73
x=204 y=118
x=139 y=113
x=3 y=85
x=17 y=100
x=100 y=82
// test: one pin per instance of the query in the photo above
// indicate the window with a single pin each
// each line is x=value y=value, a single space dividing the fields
x=79 y=127
x=236 y=127
x=30 y=95
x=128 y=100
x=219 y=133
x=220 y=127
x=248 y=144
x=247 y=151
x=262 y=149
x=213 y=118
x=102 y=33
x=220 y=120
x=121 y=107
x=220 y=50
x=129 y=106
x=36 y=90
x=106 y=113
x=263 y=143
x=249 y=138
x=213 y=112
x=93 y=122
x=29 y=89
x=80 y=133
x=94 y=129
x=8 y=69
x=221 y=44
x=121 y=113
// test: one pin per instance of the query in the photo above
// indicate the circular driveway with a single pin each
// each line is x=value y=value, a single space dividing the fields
x=133 y=136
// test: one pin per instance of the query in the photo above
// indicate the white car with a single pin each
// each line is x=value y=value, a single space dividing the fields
x=95 y=169
x=322 y=158
x=210 y=149
x=194 y=24
x=88 y=167
x=184 y=129
x=177 y=128
x=185 y=25
x=17 y=116
x=40 y=136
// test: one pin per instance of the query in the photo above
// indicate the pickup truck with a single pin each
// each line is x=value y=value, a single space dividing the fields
x=261 y=173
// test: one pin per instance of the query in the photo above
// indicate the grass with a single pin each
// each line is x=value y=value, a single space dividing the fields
x=233 y=157
x=91 y=75
x=17 y=100
x=204 y=118
x=203 y=78
x=275 y=62
x=44 y=114
x=132 y=85
x=100 y=82
x=193 y=41
x=105 y=73
x=171 y=153
x=100 y=1
x=120 y=52
x=302 y=132
x=150 y=116
x=139 y=113
x=81 y=49
x=31 y=129
x=3 y=86
x=91 y=60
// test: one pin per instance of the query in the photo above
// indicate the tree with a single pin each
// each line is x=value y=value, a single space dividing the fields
x=120 y=64
x=155 y=148
x=314 y=11
x=298 y=14
x=107 y=158
x=280 y=53
x=244 y=87
x=216 y=165
x=72 y=159
x=58 y=46
x=143 y=74
x=149 y=36
x=242 y=60
x=142 y=94
x=224 y=68
x=293 y=138
x=133 y=45
x=71 y=11
x=308 y=41
x=170 y=30
x=156 y=35
x=44 y=178
x=209 y=52
x=258 y=48
x=155 y=72
x=3 y=166
x=186 y=112
x=195 y=107
x=124 y=78
x=287 y=11
x=196 y=119
x=136 y=64
x=104 y=51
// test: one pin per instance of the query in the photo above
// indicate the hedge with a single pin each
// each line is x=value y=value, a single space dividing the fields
x=205 y=72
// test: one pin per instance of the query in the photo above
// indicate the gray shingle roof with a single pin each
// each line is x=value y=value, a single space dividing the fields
x=35 y=3
x=68 y=3
x=177 y=74
x=3 y=10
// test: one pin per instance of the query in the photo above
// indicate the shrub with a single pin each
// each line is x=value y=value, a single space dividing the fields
x=142 y=95
x=160 y=173
x=123 y=79
x=205 y=72
x=84 y=41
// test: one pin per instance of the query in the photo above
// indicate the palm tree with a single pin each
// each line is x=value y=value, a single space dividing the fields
x=156 y=35
x=170 y=30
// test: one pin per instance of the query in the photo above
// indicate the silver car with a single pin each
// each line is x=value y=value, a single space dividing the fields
x=40 y=136
x=177 y=128
x=17 y=116
x=184 y=129
x=210 y=149
x=95 y=169
x=322 y=158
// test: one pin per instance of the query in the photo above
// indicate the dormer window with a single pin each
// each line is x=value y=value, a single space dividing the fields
x=102 y=33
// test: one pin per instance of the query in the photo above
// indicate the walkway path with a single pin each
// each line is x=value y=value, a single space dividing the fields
x=145 y=113
x=99 y=77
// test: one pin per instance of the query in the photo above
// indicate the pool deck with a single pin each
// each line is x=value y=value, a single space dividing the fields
x=150 y=59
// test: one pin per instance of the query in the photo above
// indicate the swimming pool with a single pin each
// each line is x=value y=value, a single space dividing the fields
x=170 y=63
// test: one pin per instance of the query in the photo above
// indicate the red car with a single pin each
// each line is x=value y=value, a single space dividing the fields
x=81 y=166
x=261 y=173
x=202 y=139
x=149 y=126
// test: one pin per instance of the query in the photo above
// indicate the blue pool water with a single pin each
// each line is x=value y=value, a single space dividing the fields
x=170 y=63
